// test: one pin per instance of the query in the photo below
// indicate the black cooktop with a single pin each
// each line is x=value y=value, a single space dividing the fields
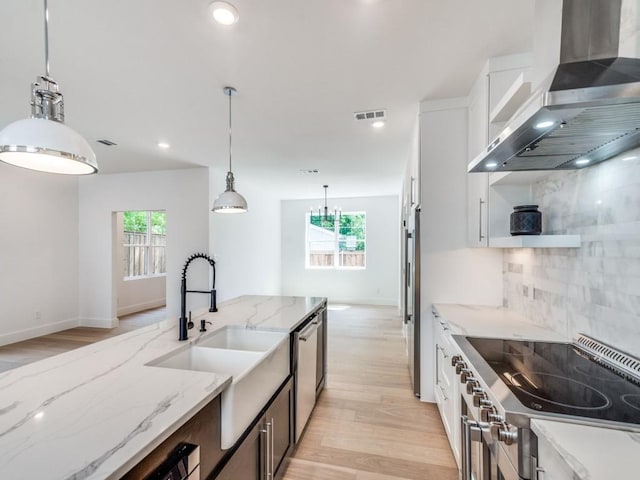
x=561 y=378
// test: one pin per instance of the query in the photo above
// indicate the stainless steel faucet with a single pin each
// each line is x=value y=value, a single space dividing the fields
x=186 y=324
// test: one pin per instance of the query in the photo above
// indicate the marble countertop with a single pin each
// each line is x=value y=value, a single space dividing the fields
x=591 y=453
x=96 y=411
x=497 y=322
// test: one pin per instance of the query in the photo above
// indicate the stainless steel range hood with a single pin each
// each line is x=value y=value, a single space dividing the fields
x=587 y=112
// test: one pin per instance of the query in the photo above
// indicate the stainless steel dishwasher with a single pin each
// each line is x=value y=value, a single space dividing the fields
x=307 y=351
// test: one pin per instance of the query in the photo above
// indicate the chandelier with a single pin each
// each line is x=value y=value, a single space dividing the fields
x=323 y=213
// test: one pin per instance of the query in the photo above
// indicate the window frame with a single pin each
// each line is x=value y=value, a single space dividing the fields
x=336 y=245
x=147 y=248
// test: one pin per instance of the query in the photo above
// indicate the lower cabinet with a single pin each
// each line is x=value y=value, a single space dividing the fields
x=447 y=390
x=262 y=452
x=550 y=464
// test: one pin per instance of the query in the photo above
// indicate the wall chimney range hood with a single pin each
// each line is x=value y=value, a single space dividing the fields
x=585 y=113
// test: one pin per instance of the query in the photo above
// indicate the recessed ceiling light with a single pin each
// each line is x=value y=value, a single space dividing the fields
x=491 y=165
x=582 y=161
x=164 y=145
x=224 y=13
x=545 y=124
x=378 y=124
x=627 y=159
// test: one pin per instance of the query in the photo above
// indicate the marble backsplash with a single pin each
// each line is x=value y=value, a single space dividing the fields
x=594 y=289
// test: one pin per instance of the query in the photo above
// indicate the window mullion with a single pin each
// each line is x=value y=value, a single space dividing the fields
x=147 y=257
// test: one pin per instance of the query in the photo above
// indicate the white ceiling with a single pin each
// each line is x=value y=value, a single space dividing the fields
x=139 y=71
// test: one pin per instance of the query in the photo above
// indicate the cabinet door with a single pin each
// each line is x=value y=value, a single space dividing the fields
x=248 y=461
x=477 y=209
x=478 y=183
x=552 y=465
x=279 y=416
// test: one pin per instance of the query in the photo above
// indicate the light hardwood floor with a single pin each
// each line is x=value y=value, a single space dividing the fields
x=367 y=423
x=21 y=353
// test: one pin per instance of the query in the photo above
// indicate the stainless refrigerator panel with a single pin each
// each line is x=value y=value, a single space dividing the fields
x=412 y=295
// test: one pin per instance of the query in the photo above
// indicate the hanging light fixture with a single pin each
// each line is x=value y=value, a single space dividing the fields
x=323 y=214
x=43 y=142
x=230 y=201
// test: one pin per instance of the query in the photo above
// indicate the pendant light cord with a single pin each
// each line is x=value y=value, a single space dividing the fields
x=230 y=94
x=46 y=36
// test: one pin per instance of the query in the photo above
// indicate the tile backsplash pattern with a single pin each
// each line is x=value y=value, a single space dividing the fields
x=594 y=289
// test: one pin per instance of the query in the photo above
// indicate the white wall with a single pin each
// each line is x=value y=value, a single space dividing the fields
x=183 y=194
x=377 y=284
x=38 y=253
x=246 y=246
x=134 y=294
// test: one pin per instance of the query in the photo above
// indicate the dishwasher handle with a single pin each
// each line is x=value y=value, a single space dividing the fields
x=306 y=333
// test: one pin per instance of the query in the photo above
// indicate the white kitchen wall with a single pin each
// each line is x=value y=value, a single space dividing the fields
x=246 y=246
x=183 y=194
x=135 y=294
x=38 y=253
x=377 y=284
x=594 y=289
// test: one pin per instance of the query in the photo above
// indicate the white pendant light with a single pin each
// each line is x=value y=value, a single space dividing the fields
x=230 y=201
x=43 y=142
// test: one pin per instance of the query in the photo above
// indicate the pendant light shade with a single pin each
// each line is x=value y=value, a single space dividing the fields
x=230 y=201
x=46 y=146
x=43 y=142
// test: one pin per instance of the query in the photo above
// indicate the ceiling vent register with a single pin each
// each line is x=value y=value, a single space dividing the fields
x=371 y=115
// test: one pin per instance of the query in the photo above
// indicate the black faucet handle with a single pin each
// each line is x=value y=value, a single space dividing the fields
x=203 y=325
x=189 y=323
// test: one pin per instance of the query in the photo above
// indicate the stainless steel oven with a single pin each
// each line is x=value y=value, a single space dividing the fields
x=507 y=382
x=482 y=456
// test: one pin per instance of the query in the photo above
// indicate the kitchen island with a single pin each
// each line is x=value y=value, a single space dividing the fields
x=95 y=412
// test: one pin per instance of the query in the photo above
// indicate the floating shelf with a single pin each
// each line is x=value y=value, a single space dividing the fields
x=513 y=98
x=536 y=241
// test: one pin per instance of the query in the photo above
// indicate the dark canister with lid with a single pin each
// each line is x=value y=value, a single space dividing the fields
x=526 y=220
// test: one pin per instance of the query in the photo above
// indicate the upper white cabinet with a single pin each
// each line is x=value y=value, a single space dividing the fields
x=478 y=183
x=498 y=91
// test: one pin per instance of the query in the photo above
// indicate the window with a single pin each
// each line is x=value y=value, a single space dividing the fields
x=145 y=241
x=336 y=242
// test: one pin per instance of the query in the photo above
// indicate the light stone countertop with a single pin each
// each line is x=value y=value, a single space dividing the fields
x=96 y=411
x=591 y=453
x=496 y=322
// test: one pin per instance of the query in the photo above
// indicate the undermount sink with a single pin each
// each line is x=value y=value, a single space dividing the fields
x=258 y=362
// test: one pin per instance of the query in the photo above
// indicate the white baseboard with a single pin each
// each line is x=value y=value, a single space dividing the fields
x=99 y=322
x=33 y=332
x=139 y=307
x=392 y=302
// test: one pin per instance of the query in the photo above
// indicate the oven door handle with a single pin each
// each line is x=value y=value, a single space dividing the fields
x=471 y=431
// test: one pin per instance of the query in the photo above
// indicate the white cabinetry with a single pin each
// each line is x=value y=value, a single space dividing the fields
x=550 y=464
x=478 y=183
x=501 y=85
x=446 y=388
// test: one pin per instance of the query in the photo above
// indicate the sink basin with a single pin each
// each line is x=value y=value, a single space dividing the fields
x=239 y=338
x=257 y=361
x=230 y=362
